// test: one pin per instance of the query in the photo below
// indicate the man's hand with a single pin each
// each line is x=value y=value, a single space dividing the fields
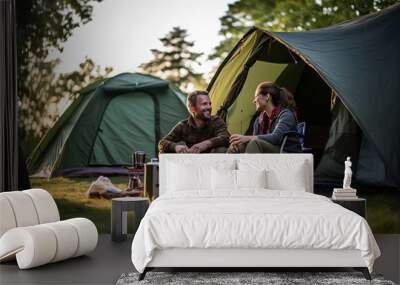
x=234 y=147
x=194 y=149
x=200 y=147
x=238 y=139
x=181 y=149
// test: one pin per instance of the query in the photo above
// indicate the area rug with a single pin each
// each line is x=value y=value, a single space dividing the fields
x=243 y=278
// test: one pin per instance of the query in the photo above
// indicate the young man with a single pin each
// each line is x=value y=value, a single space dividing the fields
x=201 y=132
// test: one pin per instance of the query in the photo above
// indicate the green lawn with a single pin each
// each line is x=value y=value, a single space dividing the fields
x=72 y=201
x=383 y=209
x=383 y=206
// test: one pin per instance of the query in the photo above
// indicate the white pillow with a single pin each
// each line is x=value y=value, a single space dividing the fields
x=235 y=179
x=194 y=175
x=282 y=173
x=293 y=178
x=223 y=179
x=187 y=177
x=251 y=178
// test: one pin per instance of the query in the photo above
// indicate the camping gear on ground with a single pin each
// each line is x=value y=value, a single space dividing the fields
x=110 y=119
x=344 y=79
x=134 y=182
x=102 y=187
x=139 y=158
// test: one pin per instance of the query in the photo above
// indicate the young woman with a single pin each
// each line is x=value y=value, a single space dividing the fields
x=277 y=117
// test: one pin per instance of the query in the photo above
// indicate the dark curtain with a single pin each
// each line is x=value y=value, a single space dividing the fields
x=8 y=97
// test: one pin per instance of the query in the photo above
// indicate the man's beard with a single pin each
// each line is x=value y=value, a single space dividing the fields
x=201 y=116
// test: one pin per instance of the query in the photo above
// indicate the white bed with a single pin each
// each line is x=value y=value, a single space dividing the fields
x=214 y=223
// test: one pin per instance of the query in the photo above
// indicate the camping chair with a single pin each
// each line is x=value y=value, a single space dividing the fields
x=301 y=132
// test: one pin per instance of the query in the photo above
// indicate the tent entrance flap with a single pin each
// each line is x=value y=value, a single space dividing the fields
x=344 y=140
x=237 y=85
x=230 y=69
x=347 y=139
x=370 y=168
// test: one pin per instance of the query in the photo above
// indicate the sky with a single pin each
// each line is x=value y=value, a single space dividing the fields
x=122 y=32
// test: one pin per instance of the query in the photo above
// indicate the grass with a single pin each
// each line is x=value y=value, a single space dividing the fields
x=71 y=199
x=383 y=208
x=383 y=205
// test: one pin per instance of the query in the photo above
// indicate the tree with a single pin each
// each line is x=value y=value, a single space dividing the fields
x=175 y=62
x=38 y=115
x=288 y=15
x=42 y=26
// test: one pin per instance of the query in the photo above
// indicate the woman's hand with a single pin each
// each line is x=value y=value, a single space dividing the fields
x=238 y=139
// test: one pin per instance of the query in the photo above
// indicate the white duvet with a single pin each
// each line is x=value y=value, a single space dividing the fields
x=253 y=218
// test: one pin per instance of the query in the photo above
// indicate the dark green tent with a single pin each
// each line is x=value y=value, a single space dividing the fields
x=108 y=122
x=346 y=83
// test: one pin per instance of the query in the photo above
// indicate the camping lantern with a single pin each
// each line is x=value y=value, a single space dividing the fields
x=138 y=159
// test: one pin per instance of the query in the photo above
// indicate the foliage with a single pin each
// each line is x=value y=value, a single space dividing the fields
x=175 y=62
x=43 y=25
x=42 y=94
x=288 y=15
x=53 y=93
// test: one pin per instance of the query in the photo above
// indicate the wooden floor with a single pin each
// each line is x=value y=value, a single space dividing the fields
x=111 y=259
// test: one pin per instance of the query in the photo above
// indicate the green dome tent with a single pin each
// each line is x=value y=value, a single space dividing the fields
x=110 y=120
x=345 y=79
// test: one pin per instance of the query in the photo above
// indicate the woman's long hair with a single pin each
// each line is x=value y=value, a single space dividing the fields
x=287 y=100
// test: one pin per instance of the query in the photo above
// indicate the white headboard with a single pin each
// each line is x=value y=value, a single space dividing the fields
x=210 y=159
